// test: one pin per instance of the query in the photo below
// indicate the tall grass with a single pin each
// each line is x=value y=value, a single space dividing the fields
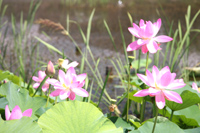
x=179 y=47
x=22 y=50
x=3 y=46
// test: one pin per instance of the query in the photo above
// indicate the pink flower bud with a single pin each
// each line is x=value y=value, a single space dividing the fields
x=50 y=70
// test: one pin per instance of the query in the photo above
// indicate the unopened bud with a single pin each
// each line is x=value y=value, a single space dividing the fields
x=50 y=70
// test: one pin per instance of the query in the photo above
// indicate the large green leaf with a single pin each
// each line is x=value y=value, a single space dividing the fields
x=194 y=130
x=8 y=75
x=17 y=96
x=76 y=117
x=23 y=125
x=3 y=103
x=163 y=125
x=189 y=97
x=189 y=117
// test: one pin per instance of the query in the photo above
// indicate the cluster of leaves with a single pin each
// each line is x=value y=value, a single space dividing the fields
x=66 y=116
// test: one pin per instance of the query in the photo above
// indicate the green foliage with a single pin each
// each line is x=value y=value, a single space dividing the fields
x=22 y=125
x=3 y=103
x=136 y=99
x=189 y=97
x=75 y=116
x=18 y=96
x=4 y=75
x=119 y=122
x=185 y=118
x=163 y=125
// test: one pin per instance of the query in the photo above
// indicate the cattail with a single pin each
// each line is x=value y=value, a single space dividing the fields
x=51 y=24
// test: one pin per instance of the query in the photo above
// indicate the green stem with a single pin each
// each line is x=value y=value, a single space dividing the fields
x=142 y=111
x=147 y=64
x=155 y=120
x=154 y=108
x=139 y=60
x=56 y=100
x=41 y=84
x=144 y=100
x=128 y=93
x=171 y=115
x=48 y=95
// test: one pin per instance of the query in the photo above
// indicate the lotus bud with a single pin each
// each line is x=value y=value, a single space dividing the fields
x=50 y=70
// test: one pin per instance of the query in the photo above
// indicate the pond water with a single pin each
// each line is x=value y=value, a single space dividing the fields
x=112 y=11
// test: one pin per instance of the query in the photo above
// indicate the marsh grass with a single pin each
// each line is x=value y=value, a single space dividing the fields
x=24 y=53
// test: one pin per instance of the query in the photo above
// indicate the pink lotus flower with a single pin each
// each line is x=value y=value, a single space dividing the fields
x=65 y=63
x=147 y=36
x=160 y=82
x=69 y=85
x=16 y=113
x=195 y=87
x=39 y=79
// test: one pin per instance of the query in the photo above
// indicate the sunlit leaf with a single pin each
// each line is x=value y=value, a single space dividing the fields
x=17 y=96
x=23 y=125
x=10 y=76
x=76 y=117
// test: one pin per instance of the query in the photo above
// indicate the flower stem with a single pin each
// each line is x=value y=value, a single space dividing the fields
x=41 y=84
x=142 y=109
x=139 y=57
x=154 y=108
x=155 y=120
x=48 y=95
x=56 y=100
x=128 y=93
x=144 y=100
x=147 y=63
x=171 y=115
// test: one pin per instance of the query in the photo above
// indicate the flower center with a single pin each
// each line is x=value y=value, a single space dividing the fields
x=66 y=87
x=156 y=87
x=144 y=38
